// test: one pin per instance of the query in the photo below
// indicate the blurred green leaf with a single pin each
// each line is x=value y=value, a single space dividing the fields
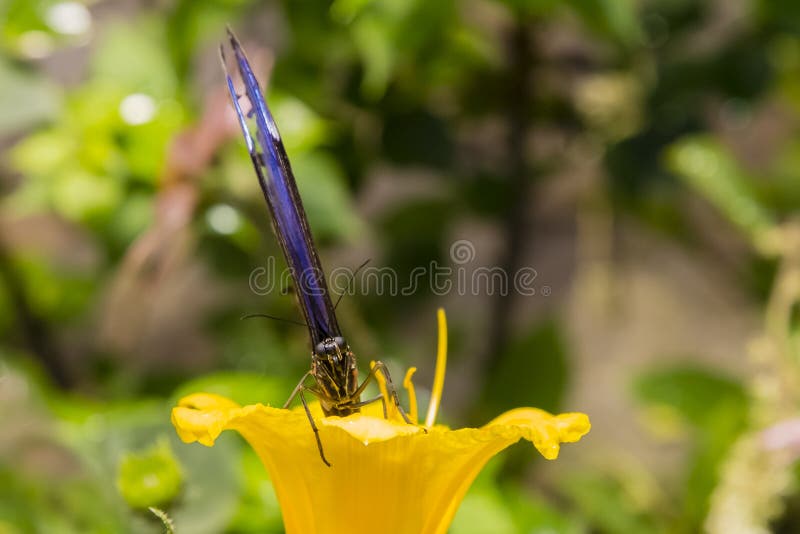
x=213 y=485
x=694 y=392
x=258 y=507
x=709 y=168
x=191 y=25
x=54 y=292
x=534 y=514
x=717 y=407
x=85 y=197
x=250 y=346
x=608 y=505
x=133 y=216
x=483 y=509
x=346 y=10
x=44 y=152
x=25 y=99
x=615 y=18
x=57 y=503
x=483 y=513
x=532 y=372
x=301 y=128
x=372 y=38
x=144 y=146
x=20 y=16
x=243 y=388
x=325 y=196
x=490 y=507
x=133 y=57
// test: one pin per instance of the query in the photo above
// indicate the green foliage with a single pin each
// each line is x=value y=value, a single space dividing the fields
x=131 y=56
x=25 y=99
x=694 y=393
x=706 y=166
x=609 y=503
x=490 y=507
x=532 y=372
x=127 y=446
x=258 y=509
x=330 y=209
x=716 y=408
x=243 y=388
x=151 y=477
x=617 y=19
x=406 y=130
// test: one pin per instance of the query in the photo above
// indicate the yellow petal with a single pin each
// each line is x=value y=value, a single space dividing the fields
x=544 y=430
x=386 y=476
x=202 y=417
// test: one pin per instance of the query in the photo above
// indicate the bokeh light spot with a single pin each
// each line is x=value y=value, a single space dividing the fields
x=137 y=108
x=69 y=18
x=223 y=219
x=35 y=44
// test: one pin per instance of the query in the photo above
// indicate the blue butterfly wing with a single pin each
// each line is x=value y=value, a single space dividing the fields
x=280 y=190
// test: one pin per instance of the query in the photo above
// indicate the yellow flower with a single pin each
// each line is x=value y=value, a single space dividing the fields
x=386 y=476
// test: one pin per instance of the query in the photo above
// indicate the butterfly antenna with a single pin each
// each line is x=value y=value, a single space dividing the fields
x=350 y=282
x=265 y=316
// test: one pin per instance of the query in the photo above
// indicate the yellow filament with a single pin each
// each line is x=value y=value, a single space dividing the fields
x=441 y=365
x=413 y=414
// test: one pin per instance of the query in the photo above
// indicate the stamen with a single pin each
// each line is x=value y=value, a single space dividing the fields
x=413 y=414
x=441 y=365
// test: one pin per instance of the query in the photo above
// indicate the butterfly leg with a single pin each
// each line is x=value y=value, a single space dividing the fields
x=313 y=426
x=370 y=401
x=380 y=367
x=300 y=386
x=299 y=390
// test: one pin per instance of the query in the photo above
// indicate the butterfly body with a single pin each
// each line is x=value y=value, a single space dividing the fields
x=333 y=366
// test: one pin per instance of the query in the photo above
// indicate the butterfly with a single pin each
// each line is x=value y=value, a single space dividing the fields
x=333 y=364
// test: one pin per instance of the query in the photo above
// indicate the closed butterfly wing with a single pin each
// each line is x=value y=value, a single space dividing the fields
x=280 y=190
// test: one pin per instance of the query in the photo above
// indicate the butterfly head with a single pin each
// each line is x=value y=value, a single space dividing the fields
x=334 y=368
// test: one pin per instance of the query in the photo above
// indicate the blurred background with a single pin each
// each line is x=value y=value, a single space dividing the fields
x=640 y=158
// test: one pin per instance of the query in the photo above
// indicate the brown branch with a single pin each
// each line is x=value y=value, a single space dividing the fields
x=516 y=227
